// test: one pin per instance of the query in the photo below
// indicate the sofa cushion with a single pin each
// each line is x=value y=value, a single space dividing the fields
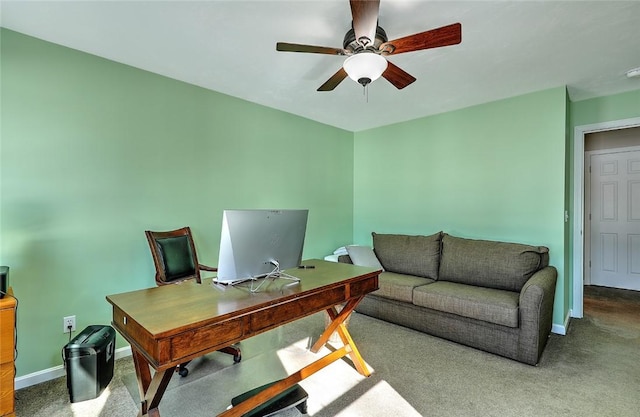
x=486 y=304
x=398 y=286
x=363 y=256
x=500 y=265
x=410 y=255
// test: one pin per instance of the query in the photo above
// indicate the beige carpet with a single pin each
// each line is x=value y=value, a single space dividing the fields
x=592 y=371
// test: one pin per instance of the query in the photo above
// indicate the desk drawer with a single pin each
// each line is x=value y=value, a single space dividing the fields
x=201 y=340
x=363 y=287
x=277 y=315
x=6 y=390
x=6 y=335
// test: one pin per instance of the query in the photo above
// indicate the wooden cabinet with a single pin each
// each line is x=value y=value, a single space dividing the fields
x=7 y=355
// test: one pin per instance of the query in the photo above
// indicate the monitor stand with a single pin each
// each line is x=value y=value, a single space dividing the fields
x=276 y=273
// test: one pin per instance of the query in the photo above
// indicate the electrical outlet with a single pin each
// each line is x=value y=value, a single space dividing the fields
x=69 y=321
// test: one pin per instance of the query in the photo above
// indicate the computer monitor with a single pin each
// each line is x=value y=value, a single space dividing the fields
x=258 y=243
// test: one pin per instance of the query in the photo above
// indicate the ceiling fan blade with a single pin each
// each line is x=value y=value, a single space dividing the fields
x=333 y=82
x=397 y=76
x=434 y=38
x=365 y=19
x=294 y=47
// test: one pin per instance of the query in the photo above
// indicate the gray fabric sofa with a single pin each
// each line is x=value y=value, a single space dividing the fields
x=493 y=296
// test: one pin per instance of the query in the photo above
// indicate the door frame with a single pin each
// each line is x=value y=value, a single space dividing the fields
x=579 y=134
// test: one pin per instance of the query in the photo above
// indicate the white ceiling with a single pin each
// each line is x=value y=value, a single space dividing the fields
x=508 y=48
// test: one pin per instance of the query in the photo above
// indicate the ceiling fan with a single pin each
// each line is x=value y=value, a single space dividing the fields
x=366 y=46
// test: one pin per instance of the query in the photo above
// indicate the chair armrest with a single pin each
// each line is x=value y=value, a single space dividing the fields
x=207 y=268
x=536 y=313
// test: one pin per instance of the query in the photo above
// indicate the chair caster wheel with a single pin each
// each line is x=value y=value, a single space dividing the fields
x=183 y=372
x=237 y=358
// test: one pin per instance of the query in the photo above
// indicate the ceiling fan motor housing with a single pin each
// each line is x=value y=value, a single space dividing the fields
x=351 y=44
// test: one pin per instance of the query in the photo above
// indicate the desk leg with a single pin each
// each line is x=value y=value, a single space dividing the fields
x=151 y=389
x=349 y=348
x=337 y=324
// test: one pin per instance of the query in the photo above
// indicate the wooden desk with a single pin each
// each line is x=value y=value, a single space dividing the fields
x=173 y=324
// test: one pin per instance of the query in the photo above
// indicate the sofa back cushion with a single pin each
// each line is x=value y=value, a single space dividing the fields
x=409 y=255
x=500 y=265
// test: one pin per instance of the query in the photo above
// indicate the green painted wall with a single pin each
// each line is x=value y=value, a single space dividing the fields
x=94 y=152
x=605 y=109
x=494 y=171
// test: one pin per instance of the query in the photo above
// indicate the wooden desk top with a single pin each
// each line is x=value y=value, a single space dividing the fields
x=171 y=323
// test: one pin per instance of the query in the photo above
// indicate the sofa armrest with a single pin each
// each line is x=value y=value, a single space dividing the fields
x=345 y=259
x=536 y=313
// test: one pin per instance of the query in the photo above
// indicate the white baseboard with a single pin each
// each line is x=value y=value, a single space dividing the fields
x=562 y=328
x=56 y=372
x=558 y=329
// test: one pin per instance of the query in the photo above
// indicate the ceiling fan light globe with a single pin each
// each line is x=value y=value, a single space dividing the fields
x=365 y=65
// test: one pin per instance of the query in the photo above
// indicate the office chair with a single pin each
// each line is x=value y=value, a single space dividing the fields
x=175 y=259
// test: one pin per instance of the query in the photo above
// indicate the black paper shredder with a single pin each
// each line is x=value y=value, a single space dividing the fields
x=88 y=360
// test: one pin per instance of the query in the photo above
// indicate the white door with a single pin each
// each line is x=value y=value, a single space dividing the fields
x=615 y=219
